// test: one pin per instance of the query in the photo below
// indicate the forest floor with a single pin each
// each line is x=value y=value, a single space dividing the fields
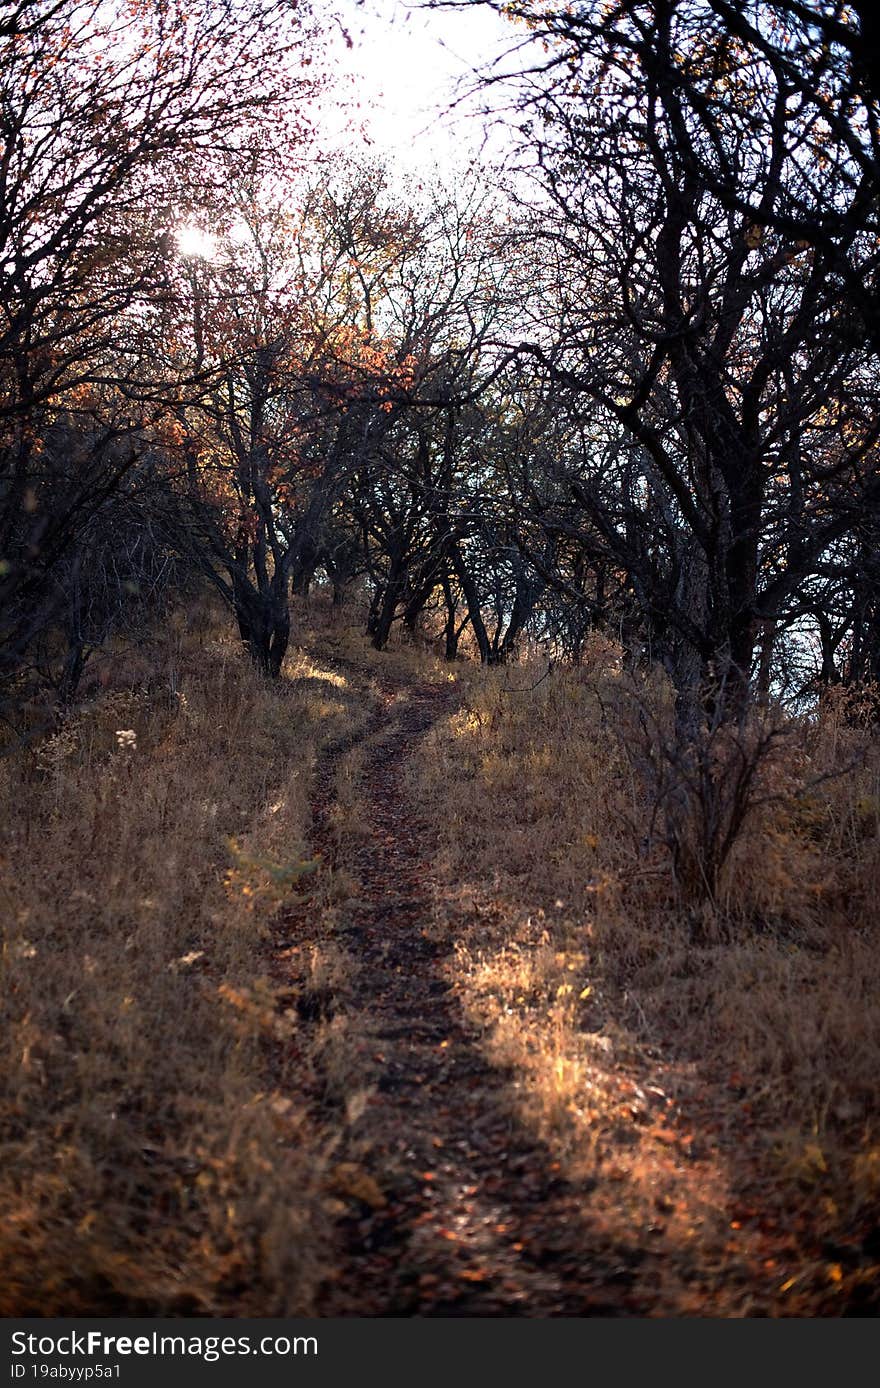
x=370 y=991
x=452 y=1209
x=449 y=1195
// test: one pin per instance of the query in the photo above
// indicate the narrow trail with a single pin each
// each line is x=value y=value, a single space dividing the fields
x=473 y=1218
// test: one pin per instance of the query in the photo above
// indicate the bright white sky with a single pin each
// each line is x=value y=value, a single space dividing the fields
x=403 y=70
x=397 y=82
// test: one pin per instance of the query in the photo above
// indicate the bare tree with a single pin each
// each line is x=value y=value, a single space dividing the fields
x=112 y=117
x=705 y=346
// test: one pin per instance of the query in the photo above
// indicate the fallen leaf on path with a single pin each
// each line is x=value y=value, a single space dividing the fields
x=347 y=1178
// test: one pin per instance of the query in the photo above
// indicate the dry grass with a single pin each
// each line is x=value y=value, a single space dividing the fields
x=172 y=1100
x=152 y=1158
x=720 y=1066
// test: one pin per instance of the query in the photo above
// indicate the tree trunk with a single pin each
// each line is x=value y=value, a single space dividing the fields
x=263 y=624
x=451 y=631
x=384 y=618
x=71 y=675
x=472 y=597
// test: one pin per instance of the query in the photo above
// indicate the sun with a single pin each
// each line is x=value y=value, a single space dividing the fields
x=194 y=242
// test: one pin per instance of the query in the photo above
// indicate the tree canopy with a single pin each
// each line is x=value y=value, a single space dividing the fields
x=627 y=380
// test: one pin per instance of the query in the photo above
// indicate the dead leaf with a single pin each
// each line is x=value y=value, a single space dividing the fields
x=347 y=1178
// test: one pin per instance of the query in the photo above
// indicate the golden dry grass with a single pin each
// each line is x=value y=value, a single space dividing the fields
x=721 y=1065
x=171 y=1122
x=152 y=1157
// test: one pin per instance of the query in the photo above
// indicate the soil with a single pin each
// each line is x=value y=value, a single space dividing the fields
x=455 y=1210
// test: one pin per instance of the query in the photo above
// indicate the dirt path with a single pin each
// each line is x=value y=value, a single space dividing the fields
x=451 y=1209
x=444 y=1199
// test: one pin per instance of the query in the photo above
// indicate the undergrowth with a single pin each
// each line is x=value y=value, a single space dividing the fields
x=716 y=1066
x=152 y=1160
x=707 y=1065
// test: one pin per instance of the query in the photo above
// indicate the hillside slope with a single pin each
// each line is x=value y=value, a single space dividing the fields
x=370 y=992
